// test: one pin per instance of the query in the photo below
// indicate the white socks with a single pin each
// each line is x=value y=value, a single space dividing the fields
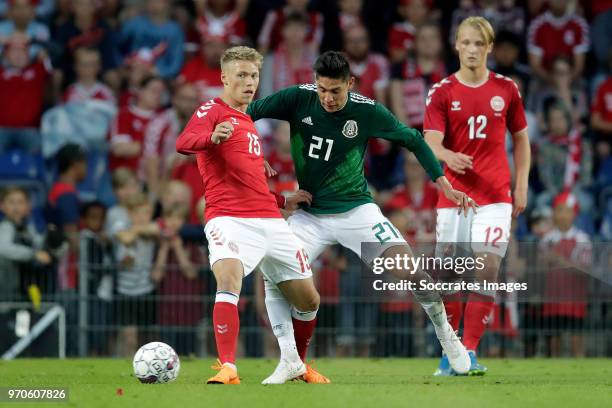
x=279 y=313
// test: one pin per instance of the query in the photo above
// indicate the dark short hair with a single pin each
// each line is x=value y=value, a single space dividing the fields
x=148 y=79
x=508 y=37
x=68 y=155
x=296 y=17
x=85 y=208
x=332 y=64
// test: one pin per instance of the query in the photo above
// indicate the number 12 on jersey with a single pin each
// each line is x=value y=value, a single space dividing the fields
x=481 y=122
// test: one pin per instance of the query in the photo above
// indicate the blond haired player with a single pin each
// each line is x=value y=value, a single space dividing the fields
x=244 y=226
x=465 y=125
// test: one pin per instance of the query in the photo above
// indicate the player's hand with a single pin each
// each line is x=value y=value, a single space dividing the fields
x=43 y=257
x=270 y=172
x=293 y=201
x=222 y=132
x=458 y=162
x=462 y=200
x=520 y=201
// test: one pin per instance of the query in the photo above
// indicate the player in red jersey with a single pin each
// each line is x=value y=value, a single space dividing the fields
x=465 y=125
x=244 y=226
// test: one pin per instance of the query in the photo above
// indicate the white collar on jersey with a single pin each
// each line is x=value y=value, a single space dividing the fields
x=478 y=85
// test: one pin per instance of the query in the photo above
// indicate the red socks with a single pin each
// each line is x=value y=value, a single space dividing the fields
x=226 y=325
x=454 y=309
x=477 y=314
x=303 y=327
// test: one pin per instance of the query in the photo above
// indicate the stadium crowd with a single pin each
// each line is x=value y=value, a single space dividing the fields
x=96 y=201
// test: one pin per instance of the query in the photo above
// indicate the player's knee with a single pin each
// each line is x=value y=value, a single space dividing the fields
x=228 y=275
x=309 y=303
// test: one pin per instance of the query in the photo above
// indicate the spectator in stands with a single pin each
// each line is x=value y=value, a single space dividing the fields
x=185 y=170
x=601 y=118
x=135 y=253
x=371 y=70
x=402 y=34
x=177 y=193
x=22 y=85
x=150 y=30
x=291 y=62
x=204 y=69
x=509 y=17
x=566 y=254
x=86 y=87
x=329 y=266
x=125 y=186
x=561 y=86
x=175 y=272
x=221 y=18
x=601 y=31
x=559 y=151
x=349 y=13
x=97 y=264
x=83 y=29
x=557 y=32
x=506 y=55
x=63 y=214
x=21 y=253
x=44 y=8
x=412 y=78
x=279 y=158
x=21 y=20
x=417 y=199
x=271 y=34
x=161 y=133
x=128 y=129
x=138 y=65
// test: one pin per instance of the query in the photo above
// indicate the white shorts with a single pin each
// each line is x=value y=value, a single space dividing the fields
x=362 y=224
x=267 y=243
x=487 y=230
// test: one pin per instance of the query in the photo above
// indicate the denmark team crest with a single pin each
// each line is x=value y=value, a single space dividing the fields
x=350 y=129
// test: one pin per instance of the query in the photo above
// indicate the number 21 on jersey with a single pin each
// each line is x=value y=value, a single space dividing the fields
x=477 y=126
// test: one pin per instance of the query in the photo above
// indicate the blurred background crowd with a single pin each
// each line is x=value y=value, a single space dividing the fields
x=100 y=214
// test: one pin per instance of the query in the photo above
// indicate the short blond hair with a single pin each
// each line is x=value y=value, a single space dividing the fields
x=480 y=24
x=241 y=53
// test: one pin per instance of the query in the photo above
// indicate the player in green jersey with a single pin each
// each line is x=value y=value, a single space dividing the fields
x=330 y=129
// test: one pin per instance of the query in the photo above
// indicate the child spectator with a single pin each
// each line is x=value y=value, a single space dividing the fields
x=559 y=152
x=87 y=87
x=271 y=34
x=125 y=186
x=96 y=264
x=21 y=256
x=152 y=30
x=566 y=254
x=128 y=129
x=401 y=35
x=179 y=309
x=135 y=253
x=22 y=85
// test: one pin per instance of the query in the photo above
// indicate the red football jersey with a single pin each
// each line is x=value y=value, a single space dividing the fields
x=549 y=36
x=206 y=79
x=232 y=171
x=473 y=120
x=76 y=92
x=402 y=36
x=129 y=126
x=21 y=94
x=371 y=75
x=270 y=35
x=603 y=100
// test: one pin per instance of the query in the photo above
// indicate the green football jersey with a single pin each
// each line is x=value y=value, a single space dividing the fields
x=328 y=149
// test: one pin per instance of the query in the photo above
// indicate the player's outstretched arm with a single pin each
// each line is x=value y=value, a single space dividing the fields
x=522 y=162
x=457 y=162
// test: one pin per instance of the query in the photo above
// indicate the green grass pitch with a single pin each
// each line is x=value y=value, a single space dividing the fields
x=371 y=383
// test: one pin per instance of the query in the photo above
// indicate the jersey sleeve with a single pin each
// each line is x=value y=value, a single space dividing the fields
x=516 y=120
x=196 y=136
x=435 y=111
x=279 y=105
x=390 y=128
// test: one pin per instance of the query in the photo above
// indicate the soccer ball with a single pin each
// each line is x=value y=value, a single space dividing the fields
x=156 y=363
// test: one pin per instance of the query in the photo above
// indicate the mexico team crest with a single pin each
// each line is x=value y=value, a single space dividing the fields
x=350 y=129
x=497 y=103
